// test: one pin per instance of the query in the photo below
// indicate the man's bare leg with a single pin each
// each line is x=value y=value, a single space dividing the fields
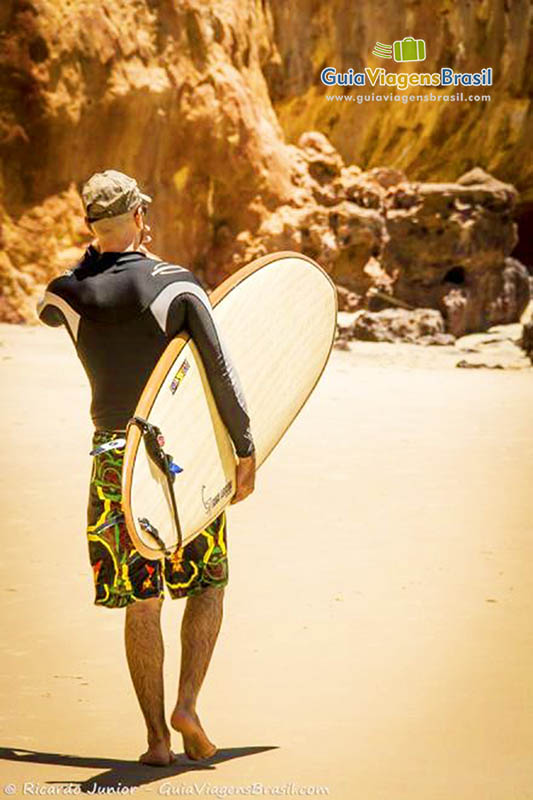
x=145 y=652
x=199 y=631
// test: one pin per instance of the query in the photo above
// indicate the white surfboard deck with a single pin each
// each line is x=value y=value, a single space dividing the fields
x=277 y=319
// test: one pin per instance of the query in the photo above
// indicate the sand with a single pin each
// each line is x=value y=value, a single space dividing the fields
x=378 y=635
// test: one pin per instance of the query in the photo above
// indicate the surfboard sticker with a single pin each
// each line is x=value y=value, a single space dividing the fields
x=179 y=376
x=277 y=319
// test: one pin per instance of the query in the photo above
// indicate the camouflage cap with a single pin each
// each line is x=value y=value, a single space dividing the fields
x=110 y=193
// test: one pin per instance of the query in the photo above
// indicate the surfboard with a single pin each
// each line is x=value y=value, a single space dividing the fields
x=277 y=319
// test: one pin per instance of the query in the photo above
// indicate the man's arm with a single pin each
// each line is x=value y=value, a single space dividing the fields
x=226 y=386
x=187 y=306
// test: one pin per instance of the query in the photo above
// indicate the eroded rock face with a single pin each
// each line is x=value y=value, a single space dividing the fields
x=172 y=93
x=175 y=94
x=389 y=242
x=449 y=246
x=420 y=326
x=428 y=140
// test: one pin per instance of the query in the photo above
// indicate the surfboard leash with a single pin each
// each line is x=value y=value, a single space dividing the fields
x=154 y=442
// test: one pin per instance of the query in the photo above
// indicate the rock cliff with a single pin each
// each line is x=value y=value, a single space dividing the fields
x=428 y=140
x=217 y=111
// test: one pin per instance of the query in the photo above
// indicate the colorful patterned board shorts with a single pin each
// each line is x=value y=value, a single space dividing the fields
x=121 y=574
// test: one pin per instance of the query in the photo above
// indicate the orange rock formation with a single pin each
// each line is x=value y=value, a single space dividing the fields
x=217 y=111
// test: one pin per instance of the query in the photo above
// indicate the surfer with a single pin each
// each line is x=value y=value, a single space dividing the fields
x=121 y=305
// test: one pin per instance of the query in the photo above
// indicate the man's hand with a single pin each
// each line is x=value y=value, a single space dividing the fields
x=244 y=478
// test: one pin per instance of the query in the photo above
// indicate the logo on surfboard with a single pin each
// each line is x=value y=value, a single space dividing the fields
x=179 y=376
x=211 y=502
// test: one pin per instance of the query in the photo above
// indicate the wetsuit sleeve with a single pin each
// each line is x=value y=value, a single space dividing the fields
x=54 y=310
x=190 y=308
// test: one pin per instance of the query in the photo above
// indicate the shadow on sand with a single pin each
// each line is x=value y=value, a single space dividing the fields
x=117 y=774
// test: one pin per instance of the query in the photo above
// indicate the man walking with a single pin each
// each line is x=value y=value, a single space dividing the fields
x=121 y=306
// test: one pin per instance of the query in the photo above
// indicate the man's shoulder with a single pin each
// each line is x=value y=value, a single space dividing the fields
x=157 y=274
x=167 y=271
x=158 y=283
x=69 y=277
x=61 y=284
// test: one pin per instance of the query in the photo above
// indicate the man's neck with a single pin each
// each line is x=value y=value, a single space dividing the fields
x=117 y=245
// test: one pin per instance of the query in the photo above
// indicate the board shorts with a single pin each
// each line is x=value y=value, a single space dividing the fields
x=121 y=575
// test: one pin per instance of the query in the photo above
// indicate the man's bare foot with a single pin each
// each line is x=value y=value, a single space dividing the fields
x=158 y=754
x=195 y=742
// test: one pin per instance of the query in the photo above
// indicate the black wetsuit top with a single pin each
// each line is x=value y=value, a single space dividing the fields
x=121 y=310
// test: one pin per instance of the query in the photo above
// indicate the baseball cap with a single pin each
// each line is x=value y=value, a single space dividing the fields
x=110 y=193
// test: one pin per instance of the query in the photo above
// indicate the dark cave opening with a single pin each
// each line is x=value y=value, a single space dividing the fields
x=455 y=275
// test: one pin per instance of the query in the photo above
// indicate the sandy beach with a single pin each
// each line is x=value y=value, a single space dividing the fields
x=378 y=632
